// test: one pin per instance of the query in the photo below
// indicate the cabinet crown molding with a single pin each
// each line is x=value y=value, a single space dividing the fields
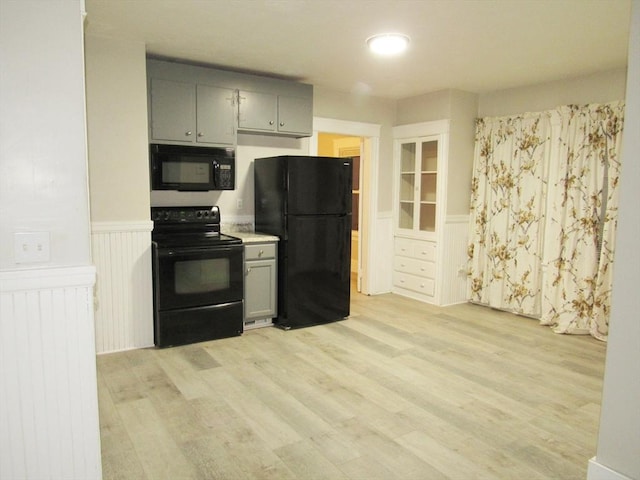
x=421 y=129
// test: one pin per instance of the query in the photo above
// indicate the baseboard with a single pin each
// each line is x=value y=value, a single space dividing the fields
x=597 y=471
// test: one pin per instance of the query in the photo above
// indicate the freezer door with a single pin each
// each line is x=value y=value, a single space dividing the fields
x=316 y=276
x=319 y=185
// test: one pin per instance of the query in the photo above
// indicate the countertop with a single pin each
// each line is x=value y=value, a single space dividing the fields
x=253 y=237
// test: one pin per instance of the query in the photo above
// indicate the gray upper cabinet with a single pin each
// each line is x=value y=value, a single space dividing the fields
x=192 y=104
x=257 y=111
x=295 y=115
x=191 y=113
x=275 y=114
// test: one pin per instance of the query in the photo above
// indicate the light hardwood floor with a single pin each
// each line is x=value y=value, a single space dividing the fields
x=400 y=390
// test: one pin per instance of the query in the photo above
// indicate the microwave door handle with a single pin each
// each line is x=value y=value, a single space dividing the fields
x=216 y=173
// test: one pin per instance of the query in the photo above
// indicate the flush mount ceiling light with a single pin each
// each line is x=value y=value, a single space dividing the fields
x=388 y=43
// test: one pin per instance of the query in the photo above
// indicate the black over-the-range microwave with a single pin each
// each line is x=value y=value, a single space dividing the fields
x=192 y=169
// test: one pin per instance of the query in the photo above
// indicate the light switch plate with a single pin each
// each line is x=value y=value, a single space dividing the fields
x=31 y=247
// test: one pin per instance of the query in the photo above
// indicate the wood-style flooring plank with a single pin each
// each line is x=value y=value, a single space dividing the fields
x=400 y=390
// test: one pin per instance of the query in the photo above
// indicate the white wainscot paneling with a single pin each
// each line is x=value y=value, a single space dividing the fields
x=124 y=286
x=381 y=257
x=49 y=424
x=455 y=240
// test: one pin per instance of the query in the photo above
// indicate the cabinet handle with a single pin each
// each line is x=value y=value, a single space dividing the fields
x=200 y=134
x=188 y=133
x=260 y=253
x=282 y=124
x=270 y=122
x=248 y=270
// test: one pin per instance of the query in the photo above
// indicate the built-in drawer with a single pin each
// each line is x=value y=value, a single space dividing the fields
x=415 y=267
x=420 y=249
x=259 y=251
x=425 y=286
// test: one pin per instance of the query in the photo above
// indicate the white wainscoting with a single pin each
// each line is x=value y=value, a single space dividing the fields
x=49 y=424
x=455 y=240
x=124 y=291
x=381 y=256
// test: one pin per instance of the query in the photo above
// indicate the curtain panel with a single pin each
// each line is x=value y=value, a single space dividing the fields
x=543 y=215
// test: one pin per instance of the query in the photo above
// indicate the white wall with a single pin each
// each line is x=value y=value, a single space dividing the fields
x=43 y=163
x=464 y=106
x=48 y=388
x=600 y=87
x=117 y=129
x=618 y=450
x=363 y=109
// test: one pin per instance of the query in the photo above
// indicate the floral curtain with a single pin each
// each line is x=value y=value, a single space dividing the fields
x=544 y=199
x=507 y=204
x=582 y=212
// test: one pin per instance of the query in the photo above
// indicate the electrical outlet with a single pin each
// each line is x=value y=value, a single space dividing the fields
x=240 y=204
x=31 y=247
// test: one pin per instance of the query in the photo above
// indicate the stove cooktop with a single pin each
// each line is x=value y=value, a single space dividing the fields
x=188 y=226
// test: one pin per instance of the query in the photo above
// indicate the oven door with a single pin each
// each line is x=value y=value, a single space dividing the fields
x=198 y=276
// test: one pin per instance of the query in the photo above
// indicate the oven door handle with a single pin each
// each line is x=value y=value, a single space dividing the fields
x=170 y=252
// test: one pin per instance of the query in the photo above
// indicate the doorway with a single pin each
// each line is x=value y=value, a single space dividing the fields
x=336 y=145
x=369 y=273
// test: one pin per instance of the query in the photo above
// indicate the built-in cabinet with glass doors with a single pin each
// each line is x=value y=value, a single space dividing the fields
x=419 y=161
x=418 y=185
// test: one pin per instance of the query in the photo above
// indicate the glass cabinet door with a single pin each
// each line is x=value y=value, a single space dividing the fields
x=407 y=184
x=418 y=185
x=428 y=184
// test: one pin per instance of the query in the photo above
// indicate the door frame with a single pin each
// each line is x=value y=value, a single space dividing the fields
x=369 y=158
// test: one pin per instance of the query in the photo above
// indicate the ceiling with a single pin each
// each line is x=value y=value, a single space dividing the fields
x=471 y=45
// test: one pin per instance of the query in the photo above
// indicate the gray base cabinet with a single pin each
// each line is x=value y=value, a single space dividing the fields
x=260 y=284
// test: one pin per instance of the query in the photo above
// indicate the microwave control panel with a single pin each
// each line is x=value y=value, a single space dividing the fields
x=225 y=176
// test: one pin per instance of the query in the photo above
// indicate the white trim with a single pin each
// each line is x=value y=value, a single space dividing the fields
x=134 y=226
x=597 y=471
x=423 y=129
x=456 y=219
x=345 y=127
x=372 y=132
x=47 y=278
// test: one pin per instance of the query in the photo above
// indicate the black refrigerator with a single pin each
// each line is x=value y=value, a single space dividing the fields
x=306 y=202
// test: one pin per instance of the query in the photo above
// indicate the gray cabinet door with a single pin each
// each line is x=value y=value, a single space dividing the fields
x=257 y=111
x=260 y=289
x=215 y=115
x=172 y=110
x=295 y=115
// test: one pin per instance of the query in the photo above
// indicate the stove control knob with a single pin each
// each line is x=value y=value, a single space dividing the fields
x=198 y=214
